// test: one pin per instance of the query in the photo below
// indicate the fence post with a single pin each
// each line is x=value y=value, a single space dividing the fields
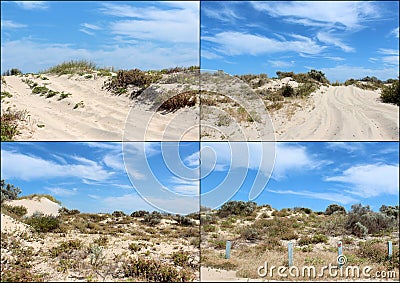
x=390 y=250
x=340 y=253
x=290 y=253
x=228 y=250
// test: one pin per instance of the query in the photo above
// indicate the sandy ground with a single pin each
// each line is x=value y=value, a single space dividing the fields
x=331 y=113
x=9 y=224
x=340 y=113
x=41 y=205
x=103 y=117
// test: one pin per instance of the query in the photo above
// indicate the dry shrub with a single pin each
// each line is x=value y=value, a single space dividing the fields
x=181 y=100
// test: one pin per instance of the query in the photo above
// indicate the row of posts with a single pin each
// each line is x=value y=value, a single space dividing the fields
x=290 y=251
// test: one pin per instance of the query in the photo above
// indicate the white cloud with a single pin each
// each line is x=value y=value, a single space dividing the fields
x=395 y=32
x=348 y=15
x=370 y=180
x=176 y=24
x=209 y=55
x=291 y=158
x=281 y=64
x=257 y=156
x=236 y=43
x=387 y=51
x=40 y=56
x=224 y=13
x=33 y=5
x=86 y=31
x=114 y=161
x=91 y=26
x=335 y=197
x=347 y=146
x=26 y=167
x=184 y=186
x=329 y=38
x=61 y=192
x=11 y=24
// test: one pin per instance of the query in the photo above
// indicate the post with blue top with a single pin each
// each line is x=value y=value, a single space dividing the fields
x=290 y=253
x=390 y=250
x=228 y=250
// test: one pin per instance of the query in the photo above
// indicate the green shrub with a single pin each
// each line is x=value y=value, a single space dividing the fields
x=183 y=220
x=372 y=250
x=8 y=191
x=139 y=213
x=250 y=234
x=9 y=123
x=181 y=100
x=287 y=91
x=153 y=218
x=155 y=271
x=391 y=211
x=335 y=208
x=49 y=197
x=305 y=89
x=391 y=94
x=66 y=247
x=118 y=213
x=12 y=72
x=5 y=94
x=180 y=258
x=44 y=223
x=237 y=208
x=282 y=75
x=64 y=95
x=18 y=211
x=20 y=274
x=318 y=76
x=42 y=90
x=134 y=247
x=369 y=222
x=72 y=67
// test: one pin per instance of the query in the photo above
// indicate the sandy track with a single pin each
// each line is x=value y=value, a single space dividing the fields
x=342 y=113
x=104 y=116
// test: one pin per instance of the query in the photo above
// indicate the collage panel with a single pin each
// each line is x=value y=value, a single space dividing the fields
x=327 y=211
x=309 y=64
x=94 y=211
x=100 y=70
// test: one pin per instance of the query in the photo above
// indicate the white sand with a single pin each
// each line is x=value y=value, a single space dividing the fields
x=10 y=225
x=340 y=113
x=103 y=116
x=42 y=205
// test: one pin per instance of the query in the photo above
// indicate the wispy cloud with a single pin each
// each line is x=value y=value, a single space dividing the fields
x=33 y=5
x=345 y=15
x=61 y=192
x=346 y=146
x=224 y=13
x=334 y=40
x=370 y=180
x=11 y=24
x=30 y=167
x=233 y=43
x=395 y=32
x=281 y=64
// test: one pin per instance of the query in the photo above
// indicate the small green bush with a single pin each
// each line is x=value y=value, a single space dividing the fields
x=18 y=210
x=8 y=191
x=391 y=94
x=67 y=247
x=180 y=258
x=373 y=250
x=237 y=208
x=134 y=247
x=12 y=72
x=72 y=67
x=44 y=223
x=139 y=213
x=181 y=100
x=335 y=208
x=287 y=91
x=155 y=271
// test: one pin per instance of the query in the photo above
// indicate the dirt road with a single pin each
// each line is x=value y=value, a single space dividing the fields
x=342 y=113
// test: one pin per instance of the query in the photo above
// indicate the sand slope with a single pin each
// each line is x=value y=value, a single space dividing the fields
x=42 y=205
x=341 y=113
x=103 y=116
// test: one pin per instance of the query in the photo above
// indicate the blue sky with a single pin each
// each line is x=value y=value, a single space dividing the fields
x=343 y=39
x=130 y=34
x=308 y=174
x=91 y=176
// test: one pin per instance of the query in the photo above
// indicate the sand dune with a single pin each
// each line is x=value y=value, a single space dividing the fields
x=330 y=113
x=340 y=113
x=42 y=205
x=104 y=116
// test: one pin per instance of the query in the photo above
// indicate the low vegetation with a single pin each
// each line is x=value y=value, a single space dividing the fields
x=261 y=234
x=72 y=67
x=391 y=93
x=10 y=123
